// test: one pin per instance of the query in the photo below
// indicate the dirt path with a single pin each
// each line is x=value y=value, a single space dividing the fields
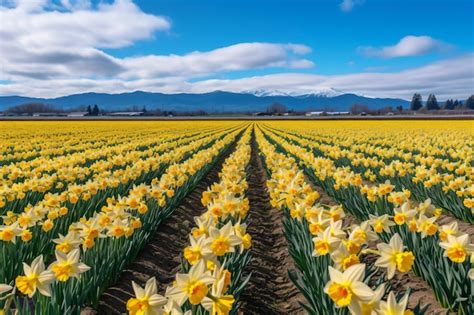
x=161 y=257
x=269 y=291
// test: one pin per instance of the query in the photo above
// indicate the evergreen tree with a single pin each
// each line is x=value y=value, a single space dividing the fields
x=95 y=111
x=432 y=103
x=89 y=110
x=449 y=104
x=416 y=102
x=455 y=104
x=470 y=102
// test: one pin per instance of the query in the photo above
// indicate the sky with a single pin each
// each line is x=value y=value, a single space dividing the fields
x=377 y=48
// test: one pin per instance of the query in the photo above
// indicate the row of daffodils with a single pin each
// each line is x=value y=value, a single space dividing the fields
x=211 y=276
x=89 y=246
x=38 y=227
x=447 y=180
x=395 y=218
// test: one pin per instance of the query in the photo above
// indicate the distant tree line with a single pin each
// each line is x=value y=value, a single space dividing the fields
x=31 y=108
x=432 y=103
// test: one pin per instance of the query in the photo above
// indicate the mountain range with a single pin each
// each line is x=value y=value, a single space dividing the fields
x=217 y=101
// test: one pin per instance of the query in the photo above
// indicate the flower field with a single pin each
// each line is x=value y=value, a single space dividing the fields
x=231 y=217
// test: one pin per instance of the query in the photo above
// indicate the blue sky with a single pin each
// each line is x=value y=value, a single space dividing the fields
x=362 y=46
x=333 y=34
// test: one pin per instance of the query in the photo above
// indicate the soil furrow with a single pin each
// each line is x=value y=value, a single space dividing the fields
x=161 y=257
x=270 y=290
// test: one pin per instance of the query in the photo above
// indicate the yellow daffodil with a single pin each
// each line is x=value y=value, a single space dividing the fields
x=222 y=241
x=448 y=229
x=193 y=286
x=194 y=253
x=35 y=278
x=403 y=214
x=324 y=243
x=347 y=288
x=457 y=248
x=343 y=259
x=67 y=243
x=393 y=257
x=381 y=223
x=146 y=301
x=67 y=265
x=9 y=233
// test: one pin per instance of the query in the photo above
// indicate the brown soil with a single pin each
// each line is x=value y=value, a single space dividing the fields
x=270 y=290
x=161 y=257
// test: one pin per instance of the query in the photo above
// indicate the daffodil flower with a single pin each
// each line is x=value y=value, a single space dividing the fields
x=8 y=233
x=380 y=223
x=146 y=301
x=457 y=248
x=324 y=243
x=222 y=241
x=67 y=243
x=403 y=214
x=193 y=286
x=67 y=265
x=392 y=257
x=35 y=278
x=343 y=259
x=194 y=252
x=347 y=288
x=448 y=229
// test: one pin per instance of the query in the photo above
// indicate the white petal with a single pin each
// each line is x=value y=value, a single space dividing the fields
x=355 y=272
x=150 y=287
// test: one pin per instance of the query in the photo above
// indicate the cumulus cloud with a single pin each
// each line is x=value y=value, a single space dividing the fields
x=348 y=5
x=39 y=39
x=33 y=24
x=407 y=46
x=237 y=57
x=65 y=40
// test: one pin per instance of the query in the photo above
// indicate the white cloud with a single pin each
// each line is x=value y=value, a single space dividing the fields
x=64 y=40
x=348 y=5
x=237 y=57
x=451 y=78
x=299 y=49
x=407 y=46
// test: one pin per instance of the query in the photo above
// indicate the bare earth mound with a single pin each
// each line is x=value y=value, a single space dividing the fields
x=270 y=290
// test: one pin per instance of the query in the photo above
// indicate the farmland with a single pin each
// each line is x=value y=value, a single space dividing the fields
x=222 y=217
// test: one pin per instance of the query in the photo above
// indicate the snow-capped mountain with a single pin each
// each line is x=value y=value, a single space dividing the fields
x=319 y=92
x=265 y=92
